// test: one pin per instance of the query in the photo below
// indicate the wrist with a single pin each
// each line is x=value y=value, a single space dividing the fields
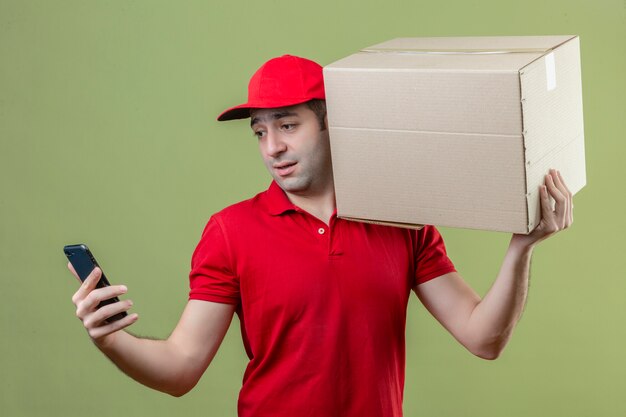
x=522 y=244
x=105 y=343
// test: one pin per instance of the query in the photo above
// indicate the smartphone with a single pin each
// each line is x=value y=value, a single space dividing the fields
x=84 y=262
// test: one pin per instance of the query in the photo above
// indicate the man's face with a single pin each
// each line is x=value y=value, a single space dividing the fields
x=295 y=150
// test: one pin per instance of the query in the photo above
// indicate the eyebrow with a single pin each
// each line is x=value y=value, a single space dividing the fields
x=274 y=116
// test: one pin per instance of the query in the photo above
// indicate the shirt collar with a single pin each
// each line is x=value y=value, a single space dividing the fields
x=277 y=201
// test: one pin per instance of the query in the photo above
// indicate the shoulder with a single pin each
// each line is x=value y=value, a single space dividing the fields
x=428 y=238
x=230 y=225
x=427 y=234
x=242 y=211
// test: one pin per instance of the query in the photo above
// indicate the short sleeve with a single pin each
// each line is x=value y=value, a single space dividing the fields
x=431 y=259
x=212 y=276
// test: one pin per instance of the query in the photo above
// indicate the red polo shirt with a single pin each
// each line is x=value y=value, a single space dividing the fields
x=322 y=308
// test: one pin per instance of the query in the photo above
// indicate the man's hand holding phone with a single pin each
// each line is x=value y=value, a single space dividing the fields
x=95 y=315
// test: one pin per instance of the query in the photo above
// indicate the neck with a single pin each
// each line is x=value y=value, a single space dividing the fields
x=321 y=205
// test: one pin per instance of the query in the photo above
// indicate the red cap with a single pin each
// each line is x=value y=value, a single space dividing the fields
x=284 y=81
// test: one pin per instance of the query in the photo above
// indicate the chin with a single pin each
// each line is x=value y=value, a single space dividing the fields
x=292 y=185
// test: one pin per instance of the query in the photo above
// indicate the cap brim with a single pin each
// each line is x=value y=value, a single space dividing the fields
x=242 y=111
x=238 y=112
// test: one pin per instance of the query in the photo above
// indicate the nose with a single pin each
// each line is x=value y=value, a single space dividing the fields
x=274 y=144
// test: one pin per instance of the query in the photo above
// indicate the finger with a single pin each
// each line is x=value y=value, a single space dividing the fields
x=561 y=206
x=87 y=285
x=559 y=198
x=548 y=217
x=562 y=183
x=73 y=271
x=112 y=327
x=91 y=301
x=569 y=219
x=567 y=202
x=98 y=317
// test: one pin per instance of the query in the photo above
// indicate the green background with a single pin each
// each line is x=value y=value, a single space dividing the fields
x=108 y=137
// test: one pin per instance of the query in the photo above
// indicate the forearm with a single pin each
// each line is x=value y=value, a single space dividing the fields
x=158 y=364
x=493 y=319
x=484 y=326
x=174 y=365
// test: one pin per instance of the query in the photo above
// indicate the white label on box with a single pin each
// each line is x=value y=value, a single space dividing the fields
x=550 y=72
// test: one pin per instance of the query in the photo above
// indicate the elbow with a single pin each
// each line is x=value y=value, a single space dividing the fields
x=489 y=349
x=179 y=390
x=489 y=354
x=186 y=378
x=178 y=393
x=181 y=386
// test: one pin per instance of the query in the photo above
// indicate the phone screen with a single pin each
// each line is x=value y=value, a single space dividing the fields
x=84 y=262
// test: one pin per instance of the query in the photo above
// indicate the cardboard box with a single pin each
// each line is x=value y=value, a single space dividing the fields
x=455 y=131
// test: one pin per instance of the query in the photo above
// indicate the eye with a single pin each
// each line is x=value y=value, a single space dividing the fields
x=259 y=133
x=288 y=126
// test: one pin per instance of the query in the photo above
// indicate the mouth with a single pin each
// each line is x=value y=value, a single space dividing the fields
x=284 y=168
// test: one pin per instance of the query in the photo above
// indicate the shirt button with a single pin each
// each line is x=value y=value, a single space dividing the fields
x=321 y=231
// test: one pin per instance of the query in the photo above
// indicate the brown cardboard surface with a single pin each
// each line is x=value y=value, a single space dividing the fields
x=485 y=43
x=553 y=124
x=483 y=193
x=455 y=131
x=432 y=102
x=396 y=224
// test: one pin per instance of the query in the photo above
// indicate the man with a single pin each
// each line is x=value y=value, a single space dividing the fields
x=322 y=301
